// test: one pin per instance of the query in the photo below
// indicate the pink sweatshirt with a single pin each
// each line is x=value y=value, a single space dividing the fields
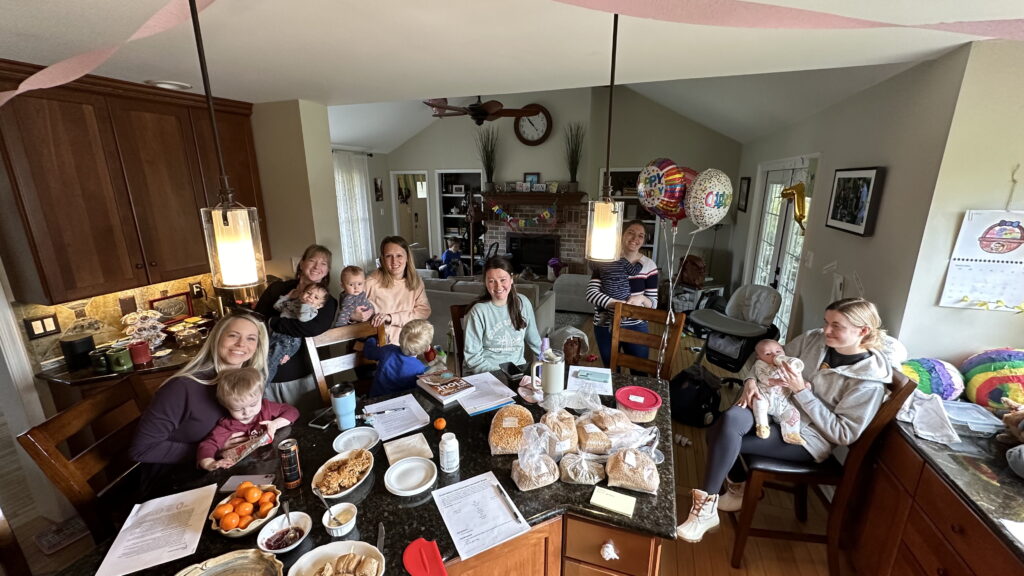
x=403 y=304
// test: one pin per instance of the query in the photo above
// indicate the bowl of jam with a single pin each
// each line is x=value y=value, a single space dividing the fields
x=277 y=537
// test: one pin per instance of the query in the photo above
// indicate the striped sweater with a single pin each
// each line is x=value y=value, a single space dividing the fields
x=617 y=281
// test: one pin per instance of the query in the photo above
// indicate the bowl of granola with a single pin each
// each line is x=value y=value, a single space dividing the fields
x=343 y=473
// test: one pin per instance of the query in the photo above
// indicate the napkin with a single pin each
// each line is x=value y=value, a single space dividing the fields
x=928 y=417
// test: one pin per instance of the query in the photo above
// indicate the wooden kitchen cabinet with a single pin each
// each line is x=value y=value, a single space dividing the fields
x=639 y=554
x=101 y=182
x=539 y=551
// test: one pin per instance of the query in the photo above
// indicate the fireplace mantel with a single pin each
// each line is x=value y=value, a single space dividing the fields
x=535 y=198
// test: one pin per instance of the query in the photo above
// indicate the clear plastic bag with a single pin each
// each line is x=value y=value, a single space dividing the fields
x=506 y=434
x=564 y=437
x=607 y=430
x=633 y=469
x=582 y=468
x=534 y=468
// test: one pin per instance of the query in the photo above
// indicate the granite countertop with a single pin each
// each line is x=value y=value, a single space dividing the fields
x=408 y=518
x=85 y=376
x=976 y=469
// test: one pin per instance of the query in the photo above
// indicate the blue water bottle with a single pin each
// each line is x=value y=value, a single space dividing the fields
x=343 y=400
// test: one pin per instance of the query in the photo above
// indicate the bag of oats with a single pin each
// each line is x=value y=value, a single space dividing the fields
x=591 y=438
x=534 y=468
x=507 y=429
x=633 y=469
x=581 y=468
x=564 y=437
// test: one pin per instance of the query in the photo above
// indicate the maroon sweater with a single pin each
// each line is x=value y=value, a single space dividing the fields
x=225 y=427
x=182 y=413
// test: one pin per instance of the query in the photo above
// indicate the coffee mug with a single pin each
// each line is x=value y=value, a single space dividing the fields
x=140 y=353
x=551 y=371
x=98 y=359
x=119 y=359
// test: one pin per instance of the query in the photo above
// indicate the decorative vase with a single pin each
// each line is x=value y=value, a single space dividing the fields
x=573 y=187
x=489 y=187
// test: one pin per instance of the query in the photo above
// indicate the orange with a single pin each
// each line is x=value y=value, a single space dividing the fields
x=236 y=501
x=244 y=509
x=241 y=487
x=265 y=508
x=229 y=521
x=440 y=423
x=253 y=494
x=244 y=522
x=221 y=510
x=268 y=496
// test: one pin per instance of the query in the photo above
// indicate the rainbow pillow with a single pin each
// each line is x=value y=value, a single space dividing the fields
x=935 y=376
x=993 y=375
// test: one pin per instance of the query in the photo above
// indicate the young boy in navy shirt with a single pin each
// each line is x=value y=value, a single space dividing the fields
x=398 y=366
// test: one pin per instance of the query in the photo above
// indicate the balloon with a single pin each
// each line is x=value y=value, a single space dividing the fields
x=662 y=186
x=799 y=198
x=708 y=200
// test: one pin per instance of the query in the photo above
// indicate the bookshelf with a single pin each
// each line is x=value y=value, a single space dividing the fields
x=455 y=189
x=624 y=190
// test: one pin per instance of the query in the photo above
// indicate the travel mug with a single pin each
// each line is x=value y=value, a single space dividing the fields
x=98 y=359
x=140 y=353
x=119 y=359
x=343 y=400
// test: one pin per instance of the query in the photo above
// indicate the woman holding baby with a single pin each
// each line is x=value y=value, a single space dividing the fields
x=837 y=393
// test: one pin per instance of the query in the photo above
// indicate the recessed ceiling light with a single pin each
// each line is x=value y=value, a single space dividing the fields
x=169 y=84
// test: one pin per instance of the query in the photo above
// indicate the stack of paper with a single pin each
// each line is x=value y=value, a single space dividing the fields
x=595 y=379
x=489 y=394
x=393 y=424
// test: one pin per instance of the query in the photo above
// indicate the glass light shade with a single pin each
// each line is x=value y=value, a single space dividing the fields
x=604 y=231
x=233 y=244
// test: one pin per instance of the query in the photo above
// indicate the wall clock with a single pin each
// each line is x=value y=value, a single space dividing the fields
x=534 y=130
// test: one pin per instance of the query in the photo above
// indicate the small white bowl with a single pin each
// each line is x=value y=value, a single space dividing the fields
x=344 y=528
x=300 y=520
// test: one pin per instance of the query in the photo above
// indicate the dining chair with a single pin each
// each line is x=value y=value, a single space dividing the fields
x=458 y=312
x=96 y=479
x=341 y=354
x=12 y=558
x=624 y=334
x=763 y=471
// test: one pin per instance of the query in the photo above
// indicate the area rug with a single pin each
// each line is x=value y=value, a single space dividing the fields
x=574 y=319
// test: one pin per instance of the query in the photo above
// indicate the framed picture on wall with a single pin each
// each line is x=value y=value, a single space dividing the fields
x=853 y=206
x=743 y=195
x=378 y=190
x=173 y=307
x=531 y=178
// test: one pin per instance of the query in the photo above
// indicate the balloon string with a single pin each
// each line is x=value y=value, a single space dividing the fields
x=671 y=290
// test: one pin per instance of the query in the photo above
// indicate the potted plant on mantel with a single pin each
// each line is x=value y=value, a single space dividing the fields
x=487 y=149
x=575 y=132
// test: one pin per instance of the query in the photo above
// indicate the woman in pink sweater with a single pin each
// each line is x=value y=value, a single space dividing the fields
x=394 y=289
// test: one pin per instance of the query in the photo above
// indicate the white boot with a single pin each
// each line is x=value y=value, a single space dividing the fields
x=703 y=517
x=732 y=500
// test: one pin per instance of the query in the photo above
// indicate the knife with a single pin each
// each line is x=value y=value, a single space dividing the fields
x=380 y=537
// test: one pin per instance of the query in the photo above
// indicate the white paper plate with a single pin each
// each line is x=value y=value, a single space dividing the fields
x=363 y=437
x=410 y=476
x=320 y=472
x=317 y=557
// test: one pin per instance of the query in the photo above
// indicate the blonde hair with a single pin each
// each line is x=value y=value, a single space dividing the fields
x=862 y=314
x=238 y=384
x=415 y=337
x=208 y=359
x=351 y=271
x=412 y=278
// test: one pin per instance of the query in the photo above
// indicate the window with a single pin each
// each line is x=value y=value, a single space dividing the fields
x=352 y=187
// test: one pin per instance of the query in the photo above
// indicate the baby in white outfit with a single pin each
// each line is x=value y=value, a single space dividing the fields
x=774 y=400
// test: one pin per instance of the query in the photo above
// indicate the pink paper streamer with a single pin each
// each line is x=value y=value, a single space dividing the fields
x=740 y=14
x=171 y=15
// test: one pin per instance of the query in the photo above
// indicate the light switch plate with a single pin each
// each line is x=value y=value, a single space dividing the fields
x=41 y=326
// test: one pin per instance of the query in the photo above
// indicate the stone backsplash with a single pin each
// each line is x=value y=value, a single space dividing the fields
x=100 y=316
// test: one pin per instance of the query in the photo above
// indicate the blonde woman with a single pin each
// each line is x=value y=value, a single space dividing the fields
x=394 y=289
x=838 y=392
x=185 y=407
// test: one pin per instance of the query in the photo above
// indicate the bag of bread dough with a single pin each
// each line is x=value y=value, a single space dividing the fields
x=633 y=469
x=582 y=468
x=534 y=468
x=507 y=429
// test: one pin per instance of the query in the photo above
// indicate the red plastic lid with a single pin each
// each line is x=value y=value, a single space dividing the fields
x=422 y=558
x=638 y=398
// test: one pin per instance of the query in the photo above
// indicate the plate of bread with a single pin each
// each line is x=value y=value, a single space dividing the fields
x=351 y=558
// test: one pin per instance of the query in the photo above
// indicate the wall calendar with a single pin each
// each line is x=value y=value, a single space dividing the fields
x=986 y=270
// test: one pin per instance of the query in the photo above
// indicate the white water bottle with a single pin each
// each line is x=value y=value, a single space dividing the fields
x=449 y=450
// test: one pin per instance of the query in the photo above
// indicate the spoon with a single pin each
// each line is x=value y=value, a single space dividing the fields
x=288 y=518
x=333 y=521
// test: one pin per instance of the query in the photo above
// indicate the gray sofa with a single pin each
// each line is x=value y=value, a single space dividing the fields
x=443 y=293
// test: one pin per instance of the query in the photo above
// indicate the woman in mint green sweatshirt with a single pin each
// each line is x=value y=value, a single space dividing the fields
x=500 y=324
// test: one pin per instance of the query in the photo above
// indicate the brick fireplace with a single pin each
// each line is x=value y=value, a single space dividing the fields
x=566 y=237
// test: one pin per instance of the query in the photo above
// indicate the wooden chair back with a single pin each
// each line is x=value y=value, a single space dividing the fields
x=112 y=415
x=458 y=312
x=344 y=339
x=623 y=334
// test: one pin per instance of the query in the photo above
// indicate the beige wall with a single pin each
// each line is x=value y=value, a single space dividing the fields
x=983 y=147
x=381 y=211
x=900 y=124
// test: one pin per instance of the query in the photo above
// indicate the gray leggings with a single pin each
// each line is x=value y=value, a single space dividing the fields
x=733 y=435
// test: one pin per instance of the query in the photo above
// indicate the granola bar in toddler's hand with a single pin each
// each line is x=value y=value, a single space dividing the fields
x=235 y=454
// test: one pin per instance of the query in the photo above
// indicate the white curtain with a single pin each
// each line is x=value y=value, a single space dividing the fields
x=352 y=186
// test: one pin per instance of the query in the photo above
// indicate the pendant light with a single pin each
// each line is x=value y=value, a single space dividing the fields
x=232 y=231
x=604 y=217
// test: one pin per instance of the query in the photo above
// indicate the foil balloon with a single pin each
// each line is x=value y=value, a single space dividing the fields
x=799 y=198
x=708 y=200
x=662 y=186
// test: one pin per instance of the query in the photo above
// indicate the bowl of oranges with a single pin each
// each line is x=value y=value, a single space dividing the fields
x=245 y=510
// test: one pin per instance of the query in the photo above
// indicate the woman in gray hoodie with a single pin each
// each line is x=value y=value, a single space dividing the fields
x=838 y=393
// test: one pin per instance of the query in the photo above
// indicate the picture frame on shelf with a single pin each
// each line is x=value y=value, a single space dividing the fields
x=539 y=188
x=853 y=205
x=499 y=187
x=522 y=186
x=173 y=307
x=553 y=186
x=531 y=178
x=458 y=188
x=743 y=194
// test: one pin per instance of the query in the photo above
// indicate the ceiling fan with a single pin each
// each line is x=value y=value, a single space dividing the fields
x=478 y=111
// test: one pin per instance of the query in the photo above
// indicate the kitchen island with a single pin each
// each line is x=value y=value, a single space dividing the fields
x=566 y=529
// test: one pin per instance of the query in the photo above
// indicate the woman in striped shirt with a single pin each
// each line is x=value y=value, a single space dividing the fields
x=632 y=279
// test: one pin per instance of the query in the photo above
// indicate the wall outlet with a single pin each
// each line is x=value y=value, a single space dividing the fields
x=41 y=326
x=196 y=288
